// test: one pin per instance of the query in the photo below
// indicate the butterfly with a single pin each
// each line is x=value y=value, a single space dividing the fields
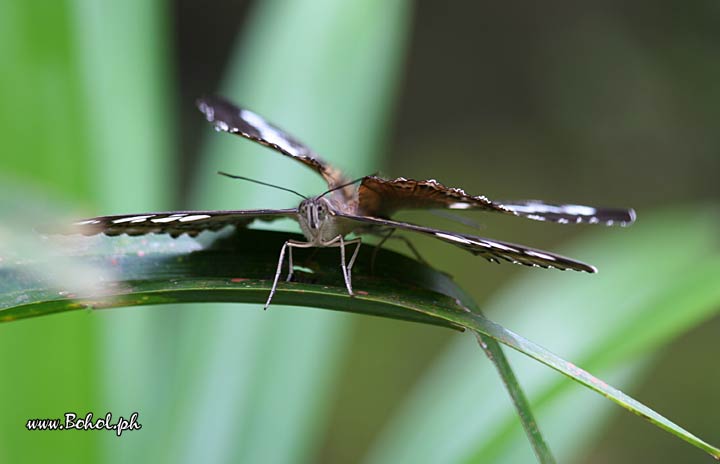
x=363 y=206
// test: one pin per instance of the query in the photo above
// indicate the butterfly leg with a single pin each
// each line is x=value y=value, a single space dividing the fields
x=340 y=242
x=413 y=250
x=354 y=255
x=347 y=268
x=294 y=244
x=291 y=267
x=377 y=249
x=277 y=275
x=405 y=240
x=290 y=244
x=343 y=266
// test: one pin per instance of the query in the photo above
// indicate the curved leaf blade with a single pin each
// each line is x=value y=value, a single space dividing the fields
x=239 y=268
x=487 y=327
x=494 y=352
x=656 y=282
x=401 y=289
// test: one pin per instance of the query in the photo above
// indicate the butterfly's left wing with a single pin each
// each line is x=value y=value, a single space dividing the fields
x=490 y=249
x=382 y=197
x=174 y=223
x=228 y=117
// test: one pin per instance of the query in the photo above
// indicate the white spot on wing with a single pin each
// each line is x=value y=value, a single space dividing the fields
x=209 y=111
x=171 y=218
x=500 y=246
x=460 y=205
x=133 y=219
x=194 y=217
x=539 y=208
x=537 y=254
x=268 y=132
x=453 y=238
x=580 y=210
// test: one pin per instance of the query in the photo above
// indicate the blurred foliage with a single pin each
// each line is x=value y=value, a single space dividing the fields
x=299 y=64
x=84 y=117
x=609 y=103
x=609 y=324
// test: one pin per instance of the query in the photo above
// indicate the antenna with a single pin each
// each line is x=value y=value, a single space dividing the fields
x=344 y=185
x=263 y=183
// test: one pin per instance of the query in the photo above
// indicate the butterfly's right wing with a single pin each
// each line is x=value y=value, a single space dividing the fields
x=570 y=214
x=490 y=249
x=174 y=223
x=228 y=117
x=380 y=197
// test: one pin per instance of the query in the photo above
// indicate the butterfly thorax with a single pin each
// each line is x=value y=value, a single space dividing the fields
x=318 y=221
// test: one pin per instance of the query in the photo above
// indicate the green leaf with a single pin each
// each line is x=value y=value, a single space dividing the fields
x=162 y=270
x=236 y=269
x=649 y=291
x=125 y=74
x=585 y=378
x=82 y=113
x=494 y=352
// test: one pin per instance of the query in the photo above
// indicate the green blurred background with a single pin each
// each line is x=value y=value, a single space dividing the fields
x=607 y=104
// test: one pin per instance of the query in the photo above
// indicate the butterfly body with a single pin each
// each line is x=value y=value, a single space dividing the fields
x=320 y=221
x=327 y=219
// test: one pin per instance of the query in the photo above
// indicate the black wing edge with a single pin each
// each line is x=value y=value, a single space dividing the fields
x=570 y=214
x=228 y=117
x=225 y=116
x=173 y=223
x=492 y=250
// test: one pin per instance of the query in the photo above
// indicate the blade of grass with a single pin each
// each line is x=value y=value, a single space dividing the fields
x=211 y=282
x=47 y=367
x=585 y=378
x=497 y=357
x=162 y=270
x=638 y=270
x=494 y=352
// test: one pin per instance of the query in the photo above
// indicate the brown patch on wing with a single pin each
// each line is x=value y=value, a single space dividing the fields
x=382 y=197
x=227 y=117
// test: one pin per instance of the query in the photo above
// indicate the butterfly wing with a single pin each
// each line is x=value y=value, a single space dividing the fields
x=570 y=214
x=490 y=249
x=174 y=223
x=228 y=117
x=382 y=197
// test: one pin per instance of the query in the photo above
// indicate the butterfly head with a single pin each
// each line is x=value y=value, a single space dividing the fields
x=319 y=222
x=314 y=213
